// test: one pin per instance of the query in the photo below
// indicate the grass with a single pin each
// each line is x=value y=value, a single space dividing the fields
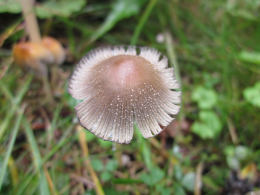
x=213 y=46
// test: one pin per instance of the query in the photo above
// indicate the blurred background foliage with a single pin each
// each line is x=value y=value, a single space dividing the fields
x=212 y=147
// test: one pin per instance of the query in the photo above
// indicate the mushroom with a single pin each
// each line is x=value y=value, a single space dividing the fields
x=33 y=55
x=125 y=86
x=37 y=53
x=55 y=48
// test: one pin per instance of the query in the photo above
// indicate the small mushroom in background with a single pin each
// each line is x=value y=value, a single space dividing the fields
x=55 y=48
x=33 y=55
x=125 y=86
x=38 y=53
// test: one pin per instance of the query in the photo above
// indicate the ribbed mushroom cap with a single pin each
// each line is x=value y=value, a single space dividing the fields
x=120 y=88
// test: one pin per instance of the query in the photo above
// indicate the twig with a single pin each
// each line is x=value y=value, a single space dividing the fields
x=198 y=180
x=232 y=131
x=49 y=180
x=84 y=148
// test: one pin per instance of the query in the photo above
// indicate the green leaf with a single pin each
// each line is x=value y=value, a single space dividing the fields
x=47 y=9
x=242 y=152
x=188 y=181
x=229 y=151
x=104 y=144
x=210 y=80
x=252 y=94
x=10 y=6
x=178 y=189
x=61 y=8
x=121 y=9
x=97 y=164
x=233 y=163
x=90 y=136
x=111 y=165
x=209 y=125
x=153 y=177
x=105 y=176
x=177 y=172
x=163 y=189
x=206 y=98
x=72 y=102
x=251 y=57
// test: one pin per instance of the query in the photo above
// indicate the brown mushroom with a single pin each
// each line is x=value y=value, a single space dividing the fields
x=121 y=87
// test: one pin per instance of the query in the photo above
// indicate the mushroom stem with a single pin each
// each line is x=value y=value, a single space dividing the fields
x=47 y=89
x=31 y=23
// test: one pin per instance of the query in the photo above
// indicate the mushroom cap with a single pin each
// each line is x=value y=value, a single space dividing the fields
x=32 y=54
x=37 y=55
x=120 y=87
x=56 y=49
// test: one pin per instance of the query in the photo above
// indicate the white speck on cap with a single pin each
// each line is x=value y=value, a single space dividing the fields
x=120 y=87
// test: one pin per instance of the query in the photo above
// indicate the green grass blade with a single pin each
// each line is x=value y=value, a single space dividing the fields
x=31 y=175
x=120 y=10
x=24 y=183
x=50 y=130
x=65 y=138
x=7 y=93
x=44 y=189
x=145 y=149
x=172 y=55
x=142 y=21
x=16 y=102
x=10 y=146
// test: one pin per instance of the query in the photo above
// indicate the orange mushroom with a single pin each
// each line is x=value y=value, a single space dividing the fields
x=37 y=53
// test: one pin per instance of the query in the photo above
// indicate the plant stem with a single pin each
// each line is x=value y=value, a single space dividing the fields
x=31 y=23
